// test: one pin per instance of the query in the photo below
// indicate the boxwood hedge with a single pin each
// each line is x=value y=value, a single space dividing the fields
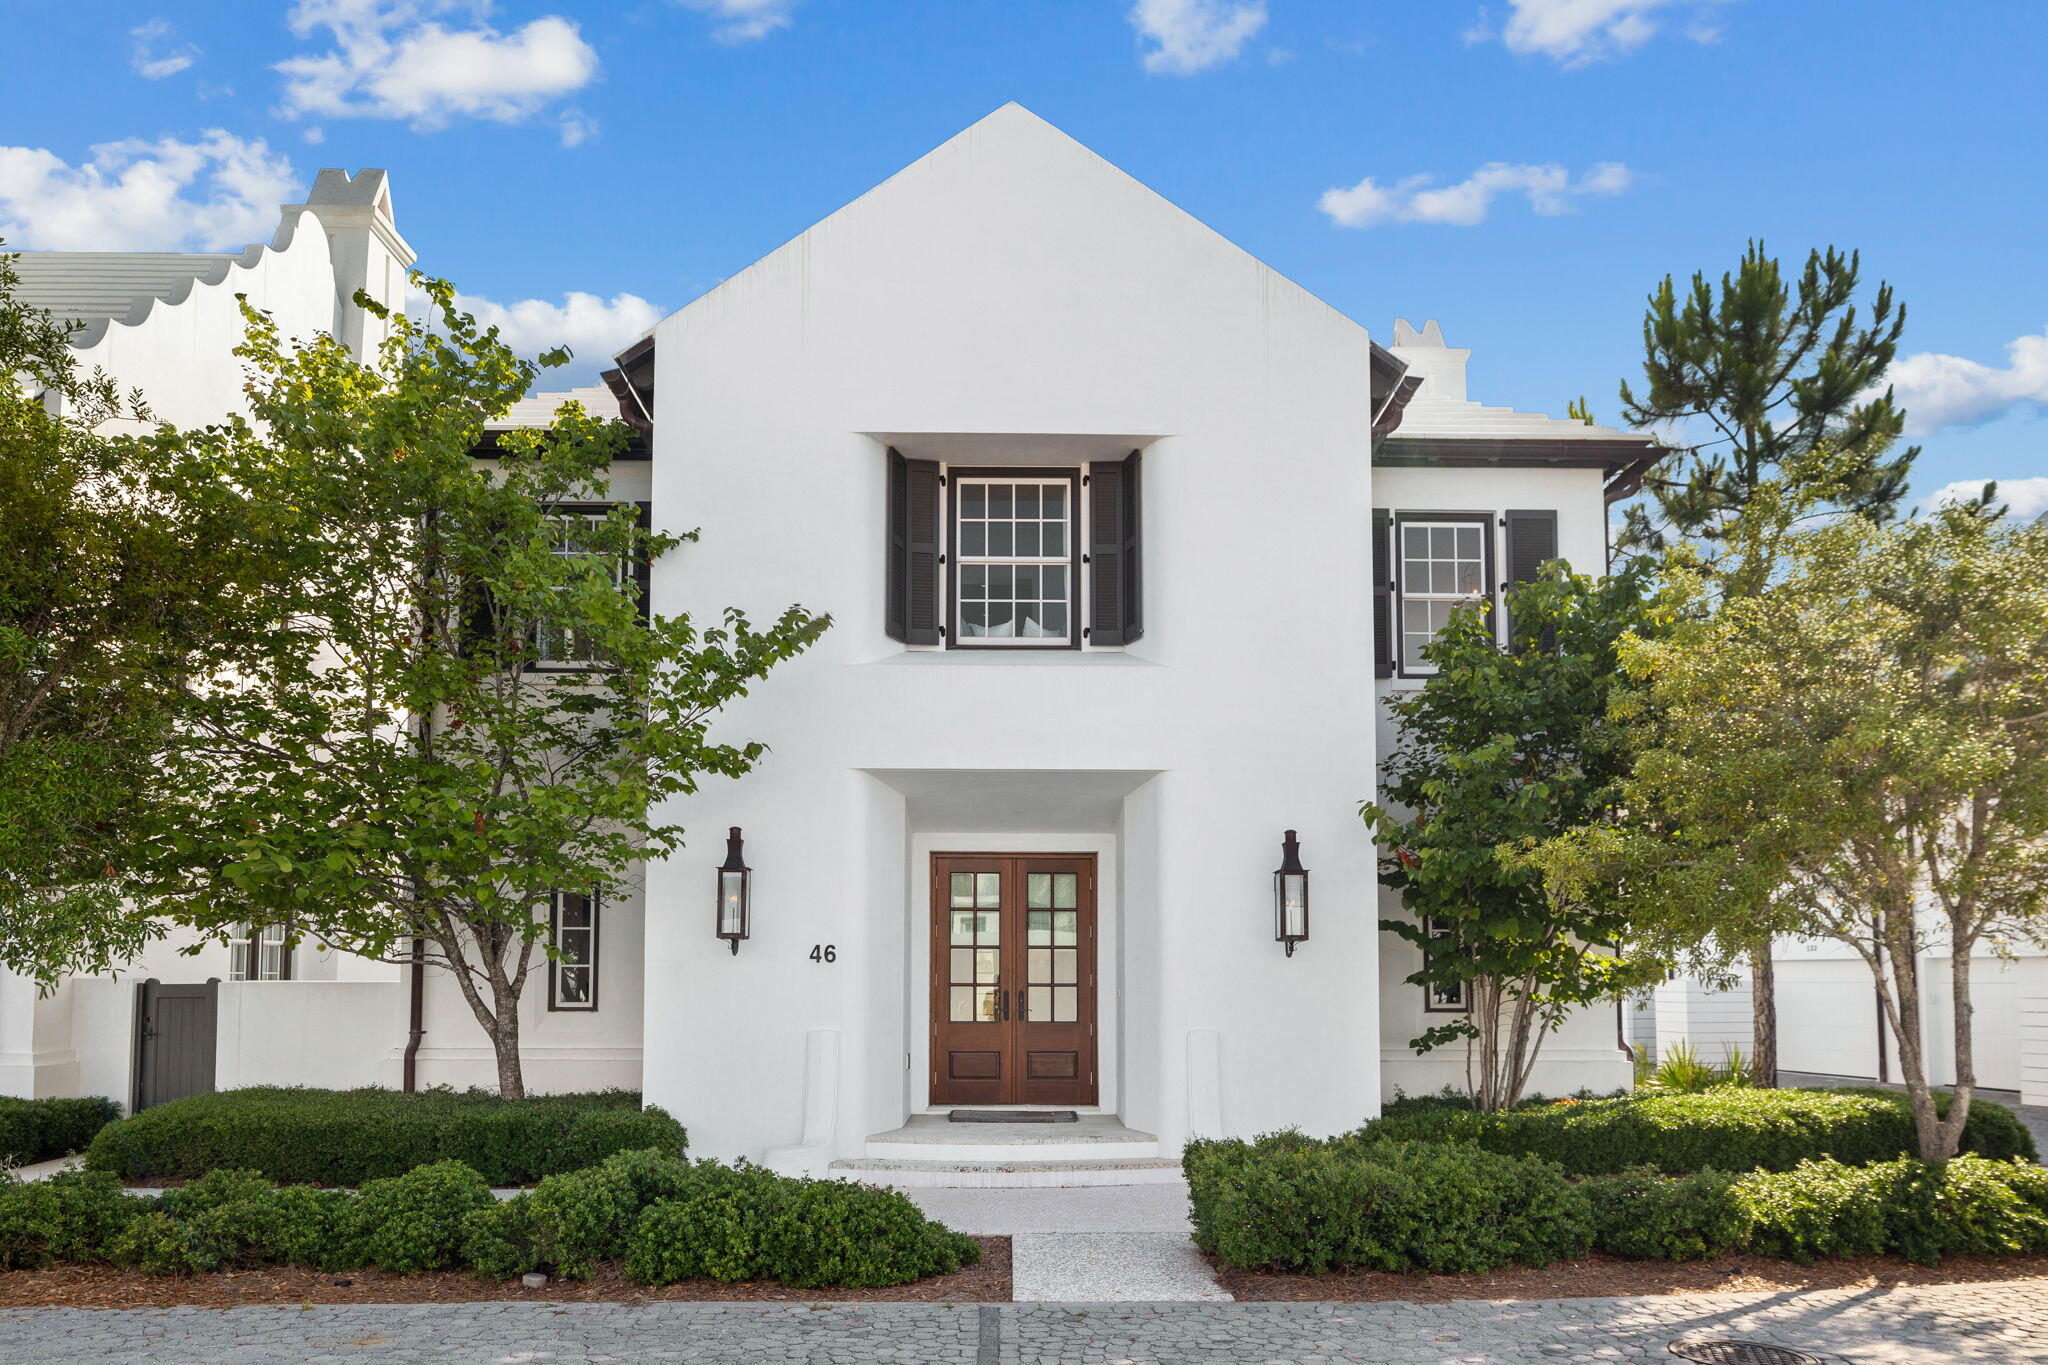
x=664 y=1217
x=1292 y=1204
x=36 y=1130
x=1730 y=1128
x=348 y=1137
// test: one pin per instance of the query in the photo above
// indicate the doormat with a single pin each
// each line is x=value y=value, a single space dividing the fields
x=1013 y=1116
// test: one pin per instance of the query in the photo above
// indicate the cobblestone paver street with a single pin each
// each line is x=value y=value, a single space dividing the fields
x=1948 y=1325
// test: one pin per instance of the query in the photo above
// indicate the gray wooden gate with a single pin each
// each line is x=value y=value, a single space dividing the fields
x=175 y=1032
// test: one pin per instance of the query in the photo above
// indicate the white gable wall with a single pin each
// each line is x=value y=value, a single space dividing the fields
x=1013 y=282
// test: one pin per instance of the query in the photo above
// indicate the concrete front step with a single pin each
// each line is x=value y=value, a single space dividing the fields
x=941 y=1174
x=931 y=1137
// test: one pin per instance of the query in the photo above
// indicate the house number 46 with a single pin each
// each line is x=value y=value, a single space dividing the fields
x=824 y=952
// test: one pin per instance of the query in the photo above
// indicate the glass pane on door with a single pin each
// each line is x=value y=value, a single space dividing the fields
x=974 y=959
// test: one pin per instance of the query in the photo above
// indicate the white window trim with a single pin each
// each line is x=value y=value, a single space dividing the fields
x=556 y=965
x=541 y=661
x=1485 y=522
x=1430 y=1004
x=266 y=946
x=1074 y=479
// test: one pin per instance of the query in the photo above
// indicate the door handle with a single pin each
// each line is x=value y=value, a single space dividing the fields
x=1002 y=1006
x=1021 y=1015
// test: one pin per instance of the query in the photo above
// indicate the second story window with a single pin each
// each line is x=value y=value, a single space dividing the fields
x=991 y=558
x=1443 y=565
x=1014 y=570
x=556 y=646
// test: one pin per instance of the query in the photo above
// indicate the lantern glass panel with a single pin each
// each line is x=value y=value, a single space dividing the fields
x=732 y=903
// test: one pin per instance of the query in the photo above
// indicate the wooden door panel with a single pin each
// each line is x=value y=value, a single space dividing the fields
x=971 y=1039
x=1013 y=998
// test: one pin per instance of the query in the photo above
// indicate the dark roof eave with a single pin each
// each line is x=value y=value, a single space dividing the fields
x=1610 y=453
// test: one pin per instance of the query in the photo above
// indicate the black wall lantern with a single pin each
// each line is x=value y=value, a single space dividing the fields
x=733 y=878
x=1290 y=895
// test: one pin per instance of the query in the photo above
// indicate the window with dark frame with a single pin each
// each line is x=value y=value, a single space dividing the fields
x=258 y=953
x=1450 y=997
x=572 y=971
x=1443 y=562
x=1014 y=570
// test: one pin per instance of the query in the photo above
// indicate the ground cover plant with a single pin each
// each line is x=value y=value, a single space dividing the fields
x=1732 y=1128
x=664 y=1218
x=1292 y=1204
x=348 y=1137
x=37 y=1130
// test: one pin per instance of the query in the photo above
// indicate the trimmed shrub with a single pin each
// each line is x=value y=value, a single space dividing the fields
x=743 y=1223
x=569 y=1223
x=238 y=1218
x=1290 y=1203
x=416 y=1221
x=1648 y=1216
x=348 y=1137
x=1731 y=1128
x=37 y=1130
x=1966 y=1207
x=1991 y=1130
x=69 y=1217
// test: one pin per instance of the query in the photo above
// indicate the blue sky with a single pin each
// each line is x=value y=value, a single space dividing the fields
x=636 y=153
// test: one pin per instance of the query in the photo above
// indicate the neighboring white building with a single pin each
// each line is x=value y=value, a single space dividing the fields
x=1124 y=535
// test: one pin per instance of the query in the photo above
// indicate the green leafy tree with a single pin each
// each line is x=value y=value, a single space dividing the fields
x=1779 y=383
x=415 y=760
x=128 y=564
x=1860 y=753
x=1498 y=750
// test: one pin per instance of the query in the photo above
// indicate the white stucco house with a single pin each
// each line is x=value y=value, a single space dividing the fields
x=1125 y=536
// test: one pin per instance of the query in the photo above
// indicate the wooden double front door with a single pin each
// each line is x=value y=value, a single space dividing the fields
x=1013 y=979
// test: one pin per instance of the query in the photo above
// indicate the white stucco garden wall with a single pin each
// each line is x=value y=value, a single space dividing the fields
x=1013 y=282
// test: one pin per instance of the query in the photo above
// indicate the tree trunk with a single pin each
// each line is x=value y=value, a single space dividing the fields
x=1950 y=1132
x=504 y=1031
x=1763 y=1007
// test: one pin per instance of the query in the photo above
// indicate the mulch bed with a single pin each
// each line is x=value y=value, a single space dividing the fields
x=1600 y=1277
x=99 y=1286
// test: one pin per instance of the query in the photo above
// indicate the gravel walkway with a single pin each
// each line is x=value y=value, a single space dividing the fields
x=2003 y=1324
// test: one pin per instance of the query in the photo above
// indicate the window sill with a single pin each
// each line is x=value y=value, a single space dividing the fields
x=1010 y=658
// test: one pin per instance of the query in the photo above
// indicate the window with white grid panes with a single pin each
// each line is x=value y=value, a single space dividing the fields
x=1442 y=569
x=573 y=974
x=975 y=937
x=1052 y=948
x=257 y=953
x=570 y=535
x=1013 y=552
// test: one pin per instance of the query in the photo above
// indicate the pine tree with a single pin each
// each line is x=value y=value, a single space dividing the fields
x=1765 y=376
x=1770 y=377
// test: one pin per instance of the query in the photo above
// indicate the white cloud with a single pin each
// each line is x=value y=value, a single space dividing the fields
x=577 y=127
x=742 y=21
x=391 y=59
x=1417 y=199
x=1576 y=33
x=159 y=51
x=168 y=195
x=1950 y=391
x=1194 y=35
x=2028 y=498
x=592 y=327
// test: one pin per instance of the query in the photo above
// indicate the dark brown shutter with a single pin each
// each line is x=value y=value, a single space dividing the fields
x=922 y=602
x=1382 y=593
x=641 y=566
x=1116 y=606
x=1532 y=543
x=896 y=575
